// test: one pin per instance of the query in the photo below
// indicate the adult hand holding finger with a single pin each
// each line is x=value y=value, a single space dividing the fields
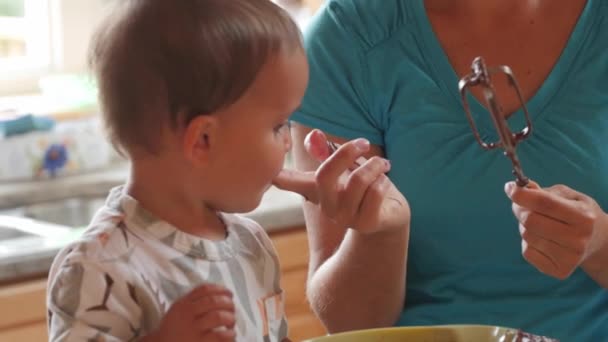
x=350 y=190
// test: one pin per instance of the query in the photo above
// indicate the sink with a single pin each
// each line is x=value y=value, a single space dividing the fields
x=27 y=246
x=38 y=231
x=9 y=233
x=74 y=212
x=13 y=228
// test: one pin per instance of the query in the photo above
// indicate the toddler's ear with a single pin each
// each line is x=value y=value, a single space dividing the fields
x=199 y=138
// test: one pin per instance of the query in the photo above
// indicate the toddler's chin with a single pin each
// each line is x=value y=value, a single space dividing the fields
x=244 y=205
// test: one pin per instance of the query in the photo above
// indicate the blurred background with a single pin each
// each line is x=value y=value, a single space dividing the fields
x=46 y=91
x=56 y=166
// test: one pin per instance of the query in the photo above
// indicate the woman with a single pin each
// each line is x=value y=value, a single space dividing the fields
x=388 y=71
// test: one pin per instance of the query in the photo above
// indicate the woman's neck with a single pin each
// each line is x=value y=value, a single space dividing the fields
x=480 y=9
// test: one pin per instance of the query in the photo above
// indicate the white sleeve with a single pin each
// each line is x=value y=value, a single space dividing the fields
x=86 y=301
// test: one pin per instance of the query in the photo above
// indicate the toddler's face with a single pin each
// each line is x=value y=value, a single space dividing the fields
x=254 y=133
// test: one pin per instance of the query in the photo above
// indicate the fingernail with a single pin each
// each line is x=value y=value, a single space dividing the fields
x=387 y=163
x=362 y=144
x=509 y=187
x=315 y=146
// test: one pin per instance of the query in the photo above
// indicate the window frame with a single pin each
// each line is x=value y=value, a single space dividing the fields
x=68 y=25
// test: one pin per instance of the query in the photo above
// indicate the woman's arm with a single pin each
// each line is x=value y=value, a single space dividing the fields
x=356 y=279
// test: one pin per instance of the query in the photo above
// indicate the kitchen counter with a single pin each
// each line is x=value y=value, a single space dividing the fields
x=93 y=184
x=22 y=258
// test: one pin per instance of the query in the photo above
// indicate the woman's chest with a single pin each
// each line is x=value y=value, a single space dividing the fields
x=530 y=43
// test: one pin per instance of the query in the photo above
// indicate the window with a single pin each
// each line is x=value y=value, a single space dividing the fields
x=39 y=37
x=11 y=16
x=24 y=38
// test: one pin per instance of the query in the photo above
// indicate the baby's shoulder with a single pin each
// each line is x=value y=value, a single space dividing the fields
x=248 y=231
x=106 y=237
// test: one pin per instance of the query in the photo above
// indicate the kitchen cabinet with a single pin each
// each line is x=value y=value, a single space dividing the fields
x=292 y=247
x=23 y=312
x=23 y=309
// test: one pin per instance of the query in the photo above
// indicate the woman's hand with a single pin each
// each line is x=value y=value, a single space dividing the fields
x=351 y=191
x=561 y=228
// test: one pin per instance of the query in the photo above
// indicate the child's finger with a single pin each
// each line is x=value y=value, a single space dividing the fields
x=299 y=182
x=216 y=319
x=342 y=158
x=303 y=182
x=207 y=290
x=219 y=335
x=212 y=303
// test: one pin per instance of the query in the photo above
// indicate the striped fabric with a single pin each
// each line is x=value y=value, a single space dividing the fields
x=121 y=277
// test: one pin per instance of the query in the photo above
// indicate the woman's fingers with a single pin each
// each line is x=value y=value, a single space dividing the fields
x=372 y=215
x=538 y=259
x=566 y=192
x=357 y=185
x=316 y=145
x=327 y=178
x=348 y=188
x=341 y=184
x=545 y=202
x=328 y=175
x=558 y=226
x=547 y=256
x=550 y=229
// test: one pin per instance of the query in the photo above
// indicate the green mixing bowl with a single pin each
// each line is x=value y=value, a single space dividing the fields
x=438 y=333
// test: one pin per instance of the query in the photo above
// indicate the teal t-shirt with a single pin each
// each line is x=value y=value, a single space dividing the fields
x=378 y=71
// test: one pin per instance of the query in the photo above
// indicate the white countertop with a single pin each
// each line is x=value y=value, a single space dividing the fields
x=16 y=194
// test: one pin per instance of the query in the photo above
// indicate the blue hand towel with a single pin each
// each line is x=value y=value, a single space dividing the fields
x=24 y=124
